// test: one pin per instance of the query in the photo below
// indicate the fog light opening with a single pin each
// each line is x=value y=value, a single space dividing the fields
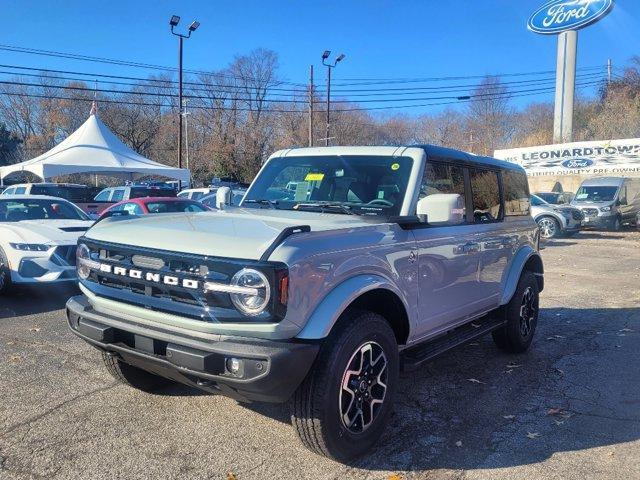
x=235 y=366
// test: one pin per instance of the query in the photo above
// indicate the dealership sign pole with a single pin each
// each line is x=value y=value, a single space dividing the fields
x=564 y=18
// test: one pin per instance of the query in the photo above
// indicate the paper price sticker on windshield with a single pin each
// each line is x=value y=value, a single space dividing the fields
x=314 y=177
x=395 y=166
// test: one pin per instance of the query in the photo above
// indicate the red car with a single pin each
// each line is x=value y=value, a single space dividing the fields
x=149 y=205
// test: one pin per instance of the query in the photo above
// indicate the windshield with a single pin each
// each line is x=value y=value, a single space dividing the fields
x=554 y=198
x=174 y=207
x=18 y=210
x=596 y=193
x=536 y=201
x=364 y=185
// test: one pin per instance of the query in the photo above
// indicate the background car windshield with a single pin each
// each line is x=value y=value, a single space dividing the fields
x=174 y=207
x=19 y=210
x=550 y=197
x=536 y=201
x=596 y=193
x=367 y=185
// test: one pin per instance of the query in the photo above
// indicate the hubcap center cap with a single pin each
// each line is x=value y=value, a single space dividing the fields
x=363 y=386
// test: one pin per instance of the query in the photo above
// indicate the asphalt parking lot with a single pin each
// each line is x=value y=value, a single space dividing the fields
x=570 y=408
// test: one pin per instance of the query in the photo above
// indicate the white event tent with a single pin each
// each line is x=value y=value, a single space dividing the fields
x=94 y=149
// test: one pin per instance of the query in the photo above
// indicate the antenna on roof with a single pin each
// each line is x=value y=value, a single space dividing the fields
x=94 y=104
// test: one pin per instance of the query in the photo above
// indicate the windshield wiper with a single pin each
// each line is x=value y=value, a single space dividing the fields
x=325 y=207
x=262 y=201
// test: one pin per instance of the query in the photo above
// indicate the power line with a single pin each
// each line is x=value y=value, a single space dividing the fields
x=127 y=63
x=301 y=111
x=169 y=95
x=461 y=77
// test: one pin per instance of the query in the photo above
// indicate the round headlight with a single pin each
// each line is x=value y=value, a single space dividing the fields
x=82 y=255
x=255 y=302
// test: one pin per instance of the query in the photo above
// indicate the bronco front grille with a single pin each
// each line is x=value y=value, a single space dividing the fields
x=158 y=295
x=590 y=212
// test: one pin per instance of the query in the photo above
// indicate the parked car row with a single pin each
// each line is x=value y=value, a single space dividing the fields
x=601 y=202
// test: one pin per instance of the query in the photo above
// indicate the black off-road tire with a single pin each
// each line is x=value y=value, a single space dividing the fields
x=514 y=337
x=5 y=274
x=132 y=376
x=316 y=408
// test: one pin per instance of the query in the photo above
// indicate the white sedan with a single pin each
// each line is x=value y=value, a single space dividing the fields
x=38 y=237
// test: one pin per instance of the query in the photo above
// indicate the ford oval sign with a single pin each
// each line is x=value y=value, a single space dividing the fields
x=577 y=163
x=558 y=16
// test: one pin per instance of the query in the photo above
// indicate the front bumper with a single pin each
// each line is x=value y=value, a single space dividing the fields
x=271 y=370
x=600 y=221
x=54 y=266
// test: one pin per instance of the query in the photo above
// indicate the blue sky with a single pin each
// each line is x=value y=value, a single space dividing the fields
x=382 y=39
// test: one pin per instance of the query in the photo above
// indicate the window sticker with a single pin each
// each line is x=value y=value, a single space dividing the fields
x=395 y=166
x=314 y=177
x=580 y=196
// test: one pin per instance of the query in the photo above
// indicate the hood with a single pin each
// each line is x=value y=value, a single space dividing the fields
x=590 y=204
x=233 y=233
x=52 y=232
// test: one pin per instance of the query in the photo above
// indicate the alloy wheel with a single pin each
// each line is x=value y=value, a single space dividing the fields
x=364 y=387
x=548 y=227
x=528 y=310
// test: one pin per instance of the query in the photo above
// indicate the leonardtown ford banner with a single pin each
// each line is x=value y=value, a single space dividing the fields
x=615 y=157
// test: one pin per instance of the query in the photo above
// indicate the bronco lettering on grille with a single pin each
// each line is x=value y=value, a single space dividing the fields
x=151 y=276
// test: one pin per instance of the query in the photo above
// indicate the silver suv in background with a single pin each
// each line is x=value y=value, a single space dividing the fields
x=608 y=202
x=340 y=267
x=554 y=220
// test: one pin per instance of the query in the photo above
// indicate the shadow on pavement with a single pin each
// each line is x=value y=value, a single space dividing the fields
x=37 y=299
x=582 y=368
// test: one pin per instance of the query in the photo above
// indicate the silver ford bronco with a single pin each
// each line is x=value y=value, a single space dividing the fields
x=341 y=266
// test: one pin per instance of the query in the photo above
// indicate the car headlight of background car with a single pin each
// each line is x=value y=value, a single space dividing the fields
x=30 y=247
x=565 y=213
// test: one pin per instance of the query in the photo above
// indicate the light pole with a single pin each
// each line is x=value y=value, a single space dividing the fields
x=175 y=19
x=329 y=66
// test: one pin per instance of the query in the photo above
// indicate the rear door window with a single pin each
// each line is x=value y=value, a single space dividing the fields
x=20 y=190
x=516 y=193
x=485 y=189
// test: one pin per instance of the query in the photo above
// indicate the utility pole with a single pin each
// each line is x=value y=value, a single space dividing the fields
x=311 y=105
x=608 y=72
x=186 y=129
x=565 y=86
x=326 y=133
x=173 y=22
x=329 y=66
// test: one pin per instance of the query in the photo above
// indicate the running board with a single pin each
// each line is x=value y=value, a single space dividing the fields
x=413 y=357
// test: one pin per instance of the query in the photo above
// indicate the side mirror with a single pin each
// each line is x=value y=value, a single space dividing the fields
x=442 y=209
x=223 y=197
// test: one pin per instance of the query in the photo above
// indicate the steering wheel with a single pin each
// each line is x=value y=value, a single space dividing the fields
x=380 y=201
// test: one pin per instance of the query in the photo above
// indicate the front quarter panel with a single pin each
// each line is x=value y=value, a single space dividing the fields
x=329 y=270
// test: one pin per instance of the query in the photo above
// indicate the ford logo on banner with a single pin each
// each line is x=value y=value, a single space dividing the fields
x=558 y=16
x=577 y=163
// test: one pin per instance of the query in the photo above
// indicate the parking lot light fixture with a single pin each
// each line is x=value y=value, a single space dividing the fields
x=329 y=66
